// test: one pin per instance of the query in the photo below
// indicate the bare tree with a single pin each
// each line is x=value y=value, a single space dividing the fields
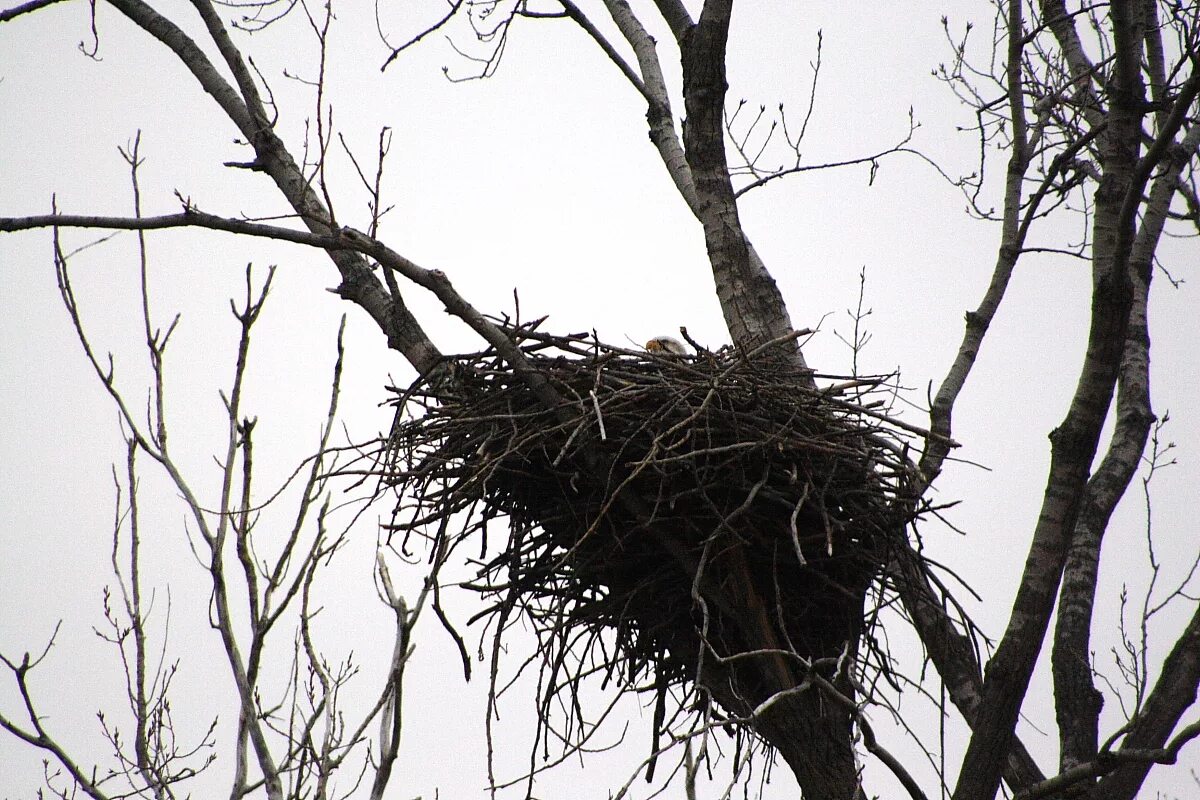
x=291 y=739
x=1081 y=129
x=1093 y=111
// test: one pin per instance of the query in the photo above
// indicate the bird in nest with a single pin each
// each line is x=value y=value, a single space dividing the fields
x=666 y=345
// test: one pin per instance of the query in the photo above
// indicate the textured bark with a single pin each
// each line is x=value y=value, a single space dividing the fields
x=751 y=303
x=677 y=17
x=1075 y=441
x=1077 y=701
x=1083 y=72
x=812 y=731
x=659 y=116
x=953 y=653
x=814 y=736
x=810 y=727
x=1176 y=691
x=750 y=300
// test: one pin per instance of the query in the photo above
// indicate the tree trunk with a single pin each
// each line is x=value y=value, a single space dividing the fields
x=751 y=302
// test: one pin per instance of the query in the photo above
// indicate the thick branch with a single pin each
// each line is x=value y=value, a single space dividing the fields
x=753 y=307
x=1083 y=72
x=359 y=283
x=659 y=117
x=1077 y=702
x=677 y=17
x=750 y=300
x=1074 y=442
x=1106 y=763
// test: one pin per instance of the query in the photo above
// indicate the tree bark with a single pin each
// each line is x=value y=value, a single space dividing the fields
x=812 y=733
x=750 y=299
x=1075 y=441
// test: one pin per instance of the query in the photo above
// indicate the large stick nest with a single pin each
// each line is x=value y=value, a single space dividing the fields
x=695 y=507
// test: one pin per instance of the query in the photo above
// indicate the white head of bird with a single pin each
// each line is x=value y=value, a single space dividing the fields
x=666 y=345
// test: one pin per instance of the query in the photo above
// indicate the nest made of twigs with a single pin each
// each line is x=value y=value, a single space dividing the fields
x=709 y=504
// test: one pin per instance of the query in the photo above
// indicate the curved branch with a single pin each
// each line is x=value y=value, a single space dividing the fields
x=1074 y=443
x=1173 y=694
x=1018 y=220
x=25 y=8
x=1108 y=763
x=1077 y=701
x=359 y=283
x=1011 y=239
x=336 y=241
x=37 y=735
x=659 y=116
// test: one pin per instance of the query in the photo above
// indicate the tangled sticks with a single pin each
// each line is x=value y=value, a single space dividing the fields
x=719 y=516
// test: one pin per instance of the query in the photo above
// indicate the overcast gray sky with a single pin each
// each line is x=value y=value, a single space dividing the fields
x=540 y=179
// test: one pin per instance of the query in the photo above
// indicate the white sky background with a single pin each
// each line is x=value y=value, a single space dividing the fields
x=541 y=178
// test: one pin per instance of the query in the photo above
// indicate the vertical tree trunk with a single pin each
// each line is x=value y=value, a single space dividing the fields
x=812 y=733
x=751 y=302
x=815 y=737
